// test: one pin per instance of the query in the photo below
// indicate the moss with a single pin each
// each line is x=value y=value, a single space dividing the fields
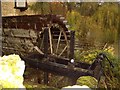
x=87 y=80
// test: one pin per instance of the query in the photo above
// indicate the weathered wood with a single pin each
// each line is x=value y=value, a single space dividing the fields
x=72 y=42
x=65 y=61
x=46 y=33
x=62 y=37
x=63 y=50
x=27 y=29
x=66 y=42
x=50 y=39
x=57 y=32
x=28 y=21
x=56 y=68
x=58 y=42
x=46 y=41
x=38 y=50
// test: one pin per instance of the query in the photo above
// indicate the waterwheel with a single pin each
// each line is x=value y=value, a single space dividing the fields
x=25 y=34
x=30 y=33
x=58 y=42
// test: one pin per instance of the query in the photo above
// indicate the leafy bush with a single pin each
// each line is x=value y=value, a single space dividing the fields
x=11 y=71
x=111 y=74
x=87 y=80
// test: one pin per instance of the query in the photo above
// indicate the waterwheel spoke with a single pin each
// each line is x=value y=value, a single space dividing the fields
x=38 y=50
x=66 y=41
x=58 y=41
x=50 y=38
x=63 y=50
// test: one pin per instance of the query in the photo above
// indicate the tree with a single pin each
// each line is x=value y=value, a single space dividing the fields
x=49 y=8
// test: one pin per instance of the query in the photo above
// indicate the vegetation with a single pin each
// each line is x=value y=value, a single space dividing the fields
x=11 y=72
x=87 y=80
x=111 y=75
x=90 y=20
x=96 y=28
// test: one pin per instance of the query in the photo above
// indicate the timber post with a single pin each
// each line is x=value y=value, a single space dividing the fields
x=46 y=52
x=72 y=43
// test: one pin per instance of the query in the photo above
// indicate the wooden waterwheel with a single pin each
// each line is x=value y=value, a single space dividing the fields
x=58 y=41
x=26 y=34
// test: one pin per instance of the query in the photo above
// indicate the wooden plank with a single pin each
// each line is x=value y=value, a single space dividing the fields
x=32 y=18
x=46 y=34
x=66 y=43
x=50 y=40
x=65 y=61
x=23 y=25
x=46 y=41
x=25 y=18
x=58 y=41
x=38 y=50
x=62 y=37
x=57 y=32
x=63 y=50
x=57 y=68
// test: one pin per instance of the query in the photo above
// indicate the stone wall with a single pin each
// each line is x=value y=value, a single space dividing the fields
x=9 y=10
x=8 y=41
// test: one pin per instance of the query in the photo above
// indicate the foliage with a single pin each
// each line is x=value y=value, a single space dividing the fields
x=48 y=8
x=95 y=25
x=87 y=80
x=106 y=17
x=87 y=8
x=40 y=7
x=111 y=74
x=89 y=55
x=86 y=56
x=11 y=71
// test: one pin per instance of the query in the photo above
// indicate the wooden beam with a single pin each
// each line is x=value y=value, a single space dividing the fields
x=72 y=44
x=50 y=39
x=57 y=68
x=63 y=50
x=62 y=37
x=66 y=42
x=46 y=42
x=58 y=41
x=46 y=52
x=38 y=50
